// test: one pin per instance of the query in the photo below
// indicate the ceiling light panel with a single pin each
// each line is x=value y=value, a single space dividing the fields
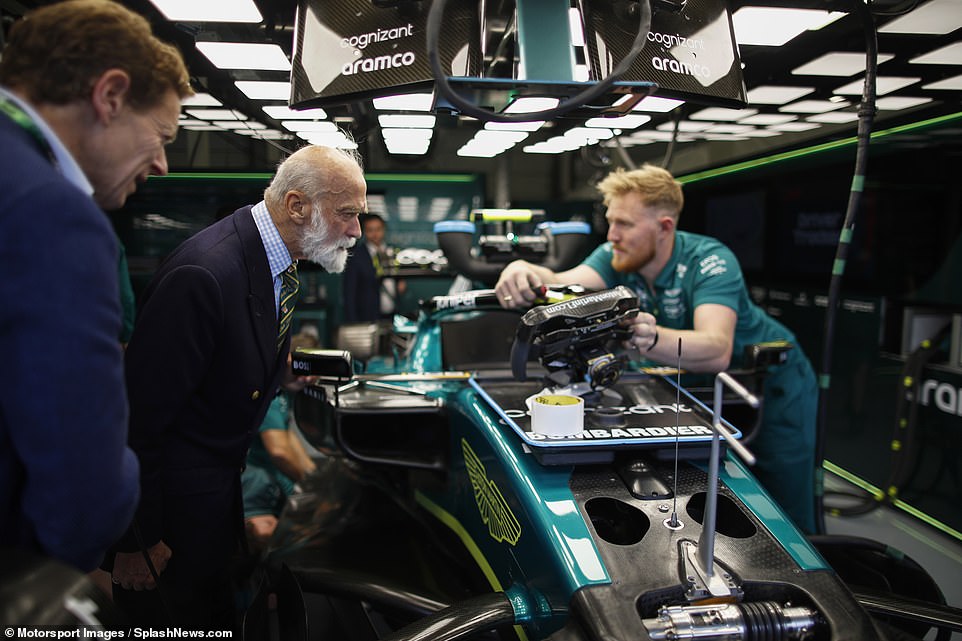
x=264 y=90
x=720 y=113
x=935 y=17
x=896 y=103
x=239 y=124
x=947 y=55
x=837 y=63
x=283 y=112
x=658 y=136
x=774 y=26
x=531 y=125
x=773 y=95
x=405 y=102
x=400 y=135
x=245 y=55
x=209 y=10
x=883 y=85
x=836 y=117
x=795 y=127
x=767 y=119
x=653 y=104
x=216 y=114
x=631 y=121
x=309 y=125
x=201 y=100
x=729 y=129
x=329 y=139
x=420 y=121
x=684 y=126
x=953 y=84
x=531 y=104
x=813 y=106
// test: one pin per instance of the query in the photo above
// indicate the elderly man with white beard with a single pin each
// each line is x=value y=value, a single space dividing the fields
x=206 y=357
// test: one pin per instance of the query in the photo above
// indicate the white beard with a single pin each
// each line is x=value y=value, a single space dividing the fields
x=319 y=246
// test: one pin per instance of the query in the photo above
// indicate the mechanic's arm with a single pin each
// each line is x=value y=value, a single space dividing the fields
x=707 y=348
x=280 y=446
x=518 y=281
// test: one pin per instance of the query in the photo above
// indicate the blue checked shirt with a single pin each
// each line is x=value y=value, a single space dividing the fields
x=278 y=258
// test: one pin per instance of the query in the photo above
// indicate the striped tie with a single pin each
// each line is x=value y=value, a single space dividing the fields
x=289 y=287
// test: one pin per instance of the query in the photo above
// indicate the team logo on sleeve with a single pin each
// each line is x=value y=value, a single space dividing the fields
x=712 y=265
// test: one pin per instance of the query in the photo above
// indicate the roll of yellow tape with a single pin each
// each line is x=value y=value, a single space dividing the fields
x=556 y=414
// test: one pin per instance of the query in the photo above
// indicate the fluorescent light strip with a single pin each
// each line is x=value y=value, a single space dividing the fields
x=245 y=55
x=209 y=10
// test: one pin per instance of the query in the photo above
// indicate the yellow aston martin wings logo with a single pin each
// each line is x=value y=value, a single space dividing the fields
x=494 y=510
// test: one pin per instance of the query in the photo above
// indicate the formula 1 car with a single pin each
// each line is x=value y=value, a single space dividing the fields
x=441 y=511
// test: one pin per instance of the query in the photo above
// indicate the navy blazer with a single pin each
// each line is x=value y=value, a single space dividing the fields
x=68 y=483
x=362 y=288
x=202 y=368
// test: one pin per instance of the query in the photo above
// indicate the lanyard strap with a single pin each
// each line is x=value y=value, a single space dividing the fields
x=20 y=118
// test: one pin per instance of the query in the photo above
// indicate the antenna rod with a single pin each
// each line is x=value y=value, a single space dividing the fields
x=674 y=494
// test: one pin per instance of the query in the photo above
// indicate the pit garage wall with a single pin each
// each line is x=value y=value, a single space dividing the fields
x=901 y=286
x=167 y=210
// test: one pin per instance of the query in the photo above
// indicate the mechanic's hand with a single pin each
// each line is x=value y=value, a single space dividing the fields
x=131 y=571
x=517 y=285
x=644 y=332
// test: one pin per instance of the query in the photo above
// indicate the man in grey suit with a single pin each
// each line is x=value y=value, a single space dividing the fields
x=206 y=358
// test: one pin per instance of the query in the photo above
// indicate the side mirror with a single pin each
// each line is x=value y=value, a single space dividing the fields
x=328 y=363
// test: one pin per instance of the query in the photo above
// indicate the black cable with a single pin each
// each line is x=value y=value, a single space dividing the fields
x=669 y=152
x=866 y=115
x=445 y=90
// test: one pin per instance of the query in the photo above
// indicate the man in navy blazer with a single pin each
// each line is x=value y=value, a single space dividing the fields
x=203 y=365
x=88 y=99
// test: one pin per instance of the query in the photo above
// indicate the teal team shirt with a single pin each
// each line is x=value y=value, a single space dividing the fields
x=701 y=271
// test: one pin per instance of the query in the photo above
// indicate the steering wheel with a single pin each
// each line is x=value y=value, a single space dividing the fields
x=579 y=336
